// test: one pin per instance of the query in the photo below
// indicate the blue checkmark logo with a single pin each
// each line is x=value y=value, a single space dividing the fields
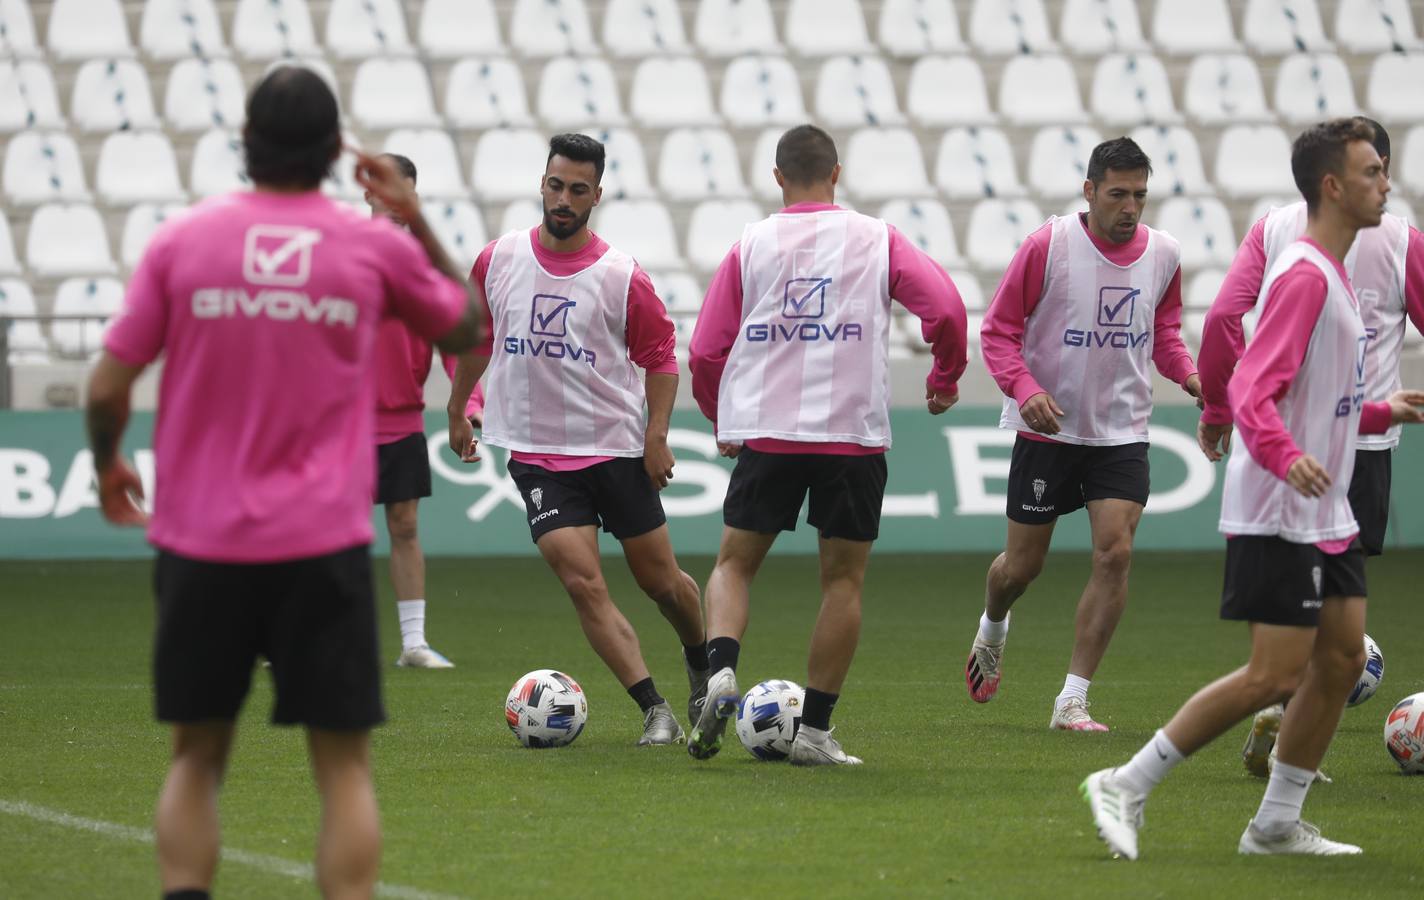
x=1116 y=306
x=804 y=298
x=549 y=315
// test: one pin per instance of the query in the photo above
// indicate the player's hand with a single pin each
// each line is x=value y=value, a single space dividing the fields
x=658 y=461
x=120 y=493
x=1308 y=477
x=1040 y=412
x=1214 y=440
x=380 y=176
x=1404 y=407
x=728 y=450
x=462 y=439
x=1193 y=387
x=938 y=402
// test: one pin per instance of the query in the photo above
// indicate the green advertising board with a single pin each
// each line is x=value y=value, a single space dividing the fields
x=946 y=491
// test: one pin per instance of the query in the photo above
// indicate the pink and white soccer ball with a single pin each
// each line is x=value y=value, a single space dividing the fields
x=546 y=709
x=768 y=718
x=1404 y=734
x=1370 y=676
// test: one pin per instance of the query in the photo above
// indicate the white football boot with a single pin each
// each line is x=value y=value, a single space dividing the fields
x=719 y=707
x=1072 y=715
x=1117 y=811
x=1301 y=839
x=814 y=747
x=660 y=727
x=1261 y=742
x=423 y=657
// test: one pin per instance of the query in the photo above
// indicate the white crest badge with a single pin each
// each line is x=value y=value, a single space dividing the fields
x=537 y=496
x=1039 y=486
x=1315 y=576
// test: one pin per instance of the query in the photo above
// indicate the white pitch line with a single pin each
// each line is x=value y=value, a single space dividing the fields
x=272 y=864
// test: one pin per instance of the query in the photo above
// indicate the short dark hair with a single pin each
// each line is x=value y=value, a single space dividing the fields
x=579 y=148
x=1320 y=150
x=1121 y=154
x=407 y=168
x=293 y=129
x=1381 y=140
x=806 y=155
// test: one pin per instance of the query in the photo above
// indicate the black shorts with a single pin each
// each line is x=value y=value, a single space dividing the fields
x=403 y=470
x=1051 y=479
x=767 y=490
x=314 y=619
x=1279 y=582
x=1369 y=497
x=616 y=494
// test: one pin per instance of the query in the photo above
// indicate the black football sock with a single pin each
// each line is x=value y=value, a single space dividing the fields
x=696 y=656
x=818 y=709
x=187 y=894
x=722 y=653
x=645 y=695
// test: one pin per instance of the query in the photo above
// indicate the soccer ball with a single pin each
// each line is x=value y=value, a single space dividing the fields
x=546 y=709
x=1371 y=677
x=768 y=717
x=1404 y=734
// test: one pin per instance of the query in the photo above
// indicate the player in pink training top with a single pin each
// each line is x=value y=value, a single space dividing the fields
x=269 y=299
x=574 y=320
x=1295 y=569
x=789 y=362
x=1088 y=303
x=402 y=461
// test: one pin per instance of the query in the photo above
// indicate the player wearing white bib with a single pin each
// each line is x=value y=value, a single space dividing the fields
x=1087 y=305
x=573 y=321
x=1294 y=565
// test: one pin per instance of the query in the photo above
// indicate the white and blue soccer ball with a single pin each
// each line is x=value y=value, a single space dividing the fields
x=1404 y=734
x=1372 y=675
x=546 y=708
x=768 y=717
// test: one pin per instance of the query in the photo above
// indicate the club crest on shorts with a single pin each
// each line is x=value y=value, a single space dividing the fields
x=1039 y=486
x=536 y=497
x=1315 y=576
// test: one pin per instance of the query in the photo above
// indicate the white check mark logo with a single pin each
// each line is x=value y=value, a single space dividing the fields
x=269 y=263
x=544 y=320
x=799 y=304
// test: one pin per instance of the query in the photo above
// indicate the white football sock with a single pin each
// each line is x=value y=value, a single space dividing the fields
x=991 y=631
x=1151 y=764
x=1073 y=686
x=1285 y=795
x=412 y=623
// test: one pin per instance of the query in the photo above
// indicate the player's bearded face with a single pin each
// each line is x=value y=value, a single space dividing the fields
x=570 y=192
x=1116 y=203
x=1364 y=184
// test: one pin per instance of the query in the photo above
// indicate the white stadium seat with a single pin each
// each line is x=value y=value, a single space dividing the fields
x=1283 y=26
x=110 y=94
x=972 y=293
x=671 y=92
x=17 y=39
x=26 y=342
x=521 y=215
x=204 y=93
x=1225 y=89
x=550 y=28
x=437 y=162
x=43 y=165
x=67 y=239
x=460 y=228
x=644 y=28
x=625 y=165
x=1188 y=27
x=759 y=172
x=100 y=298
x=998 y=27
x=1202 y=290
x=929 y=103
x=16 y=298
x=916 y=27
x=361 y=28
x=1310 y=88
x=173 y=29
x=976 y=162
x=826 y=27
x=83 y=29
x=575 y=92
x=1398 y=206
x=455 y=28
x=1252 y=161
x=1396 y=89
x=714 y=226
x=1408 y=166
x=1265 y=204
x=27 y=96
x=926 y=223
x=700 y=164
x=508 y=164
x=1129 y=89
x=486 y=93
x=217 y=166
x=1088 y=27
x=881 y=163
x=1375 y=26
x=1040 y=90
x=341 y=181
x=142 y=221
x=1058 y=159
x=1202 y=226
x=1176 y=159
x=9 y=263
x=852 y=91
x=761 y=90
x=734 y=27
x=997 y=228
x=392 y=93
x=135 y=166
x=268 y=29
x=642 y=229
x=679 y=291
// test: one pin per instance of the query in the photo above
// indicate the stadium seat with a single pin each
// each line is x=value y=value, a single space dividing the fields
x=84 y=29
x=882 y=163
x=9 y=264
x=1129 y=89
x=521 y=215
x=976 y=162
x=1396 y=88
x=67 y=239
x=486 y=93
x=826 y=27
x=110 y=94
x=508 y=164
x=1202 y=289
x=1058 y=159
x=972 y=293
x=341 y=182
x=734 y=27
x=27 y=96
x=997 y=27
x=142 y=221
x=460 y=228
x=1201 y=225
x=759 y=172
x=1408 y=167
x=1090 y=27
x=1253 y=161
x=916 y=27
x=100 y=298
x=1176 y=159
x=172 y=29
x=997 y=228
x=16 y=298
x=642 y=229
x=217 y=165
x=1040 y=90
x=644 y=28
x=204 y=93
x=1263 y=205
x=576 y=92
x=762 y=90
x=625 y=165
x=455 y=28
x=714 y=226
x=43 y=165
x=26 y=342
x=268 y=29
x=1187 y=27
x=136 y=166
x=1313 y=87
x=929 y=103
x=550 y=28
x=1075 y=205
x=680 y=291
x=852 y=91
x=671 y=92
x=1283 y=26
x=1398 y=206
x=927 y=224
x=1224 y=89
x=361 y=28
x=700 y=164
x=1375 y=26
x=17 y=30
x=392 y=93
x=437 y=162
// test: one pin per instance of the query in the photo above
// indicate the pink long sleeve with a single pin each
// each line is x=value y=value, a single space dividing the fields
x=1001 y=337
x=1223 y=338
x=652 y=341
x=1169 y=351
x=921 y=286
x=1414 y=279
x=716 y=331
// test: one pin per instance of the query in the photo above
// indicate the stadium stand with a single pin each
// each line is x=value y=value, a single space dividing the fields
x=27 y=96
x=451 y=29
x=176 y=29
x=637 y=28
x=909 y=28
x=930 y=104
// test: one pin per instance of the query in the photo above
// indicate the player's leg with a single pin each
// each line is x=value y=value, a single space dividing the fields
x=408 y=579
x=348 y=849
x=650 y=558
x=186 y=824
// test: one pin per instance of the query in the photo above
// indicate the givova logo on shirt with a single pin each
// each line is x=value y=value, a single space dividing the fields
x=1357 y=398
x=275 y=258
x=1116 y=308
x=804 y=299
x=549 y=319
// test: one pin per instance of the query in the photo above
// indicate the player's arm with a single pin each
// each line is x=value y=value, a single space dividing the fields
x=469 y=368
x=1169 y=352
x=1223 y=338
x=716 y=331
x=1414 y=278
x=1001 y=338
x=921 y=286
x=106 y=416
x=652 y=346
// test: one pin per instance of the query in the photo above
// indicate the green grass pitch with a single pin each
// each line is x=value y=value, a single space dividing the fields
x=955 y=800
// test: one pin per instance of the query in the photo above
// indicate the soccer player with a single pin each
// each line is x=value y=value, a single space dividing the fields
x=573 y=321
x=270 y=300
x=789 y=363
x=1386 y=269
x=1086 y=303
x=403 y=462
x=1294 y=563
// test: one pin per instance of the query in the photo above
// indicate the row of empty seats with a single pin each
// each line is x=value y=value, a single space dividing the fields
x=264 y=29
